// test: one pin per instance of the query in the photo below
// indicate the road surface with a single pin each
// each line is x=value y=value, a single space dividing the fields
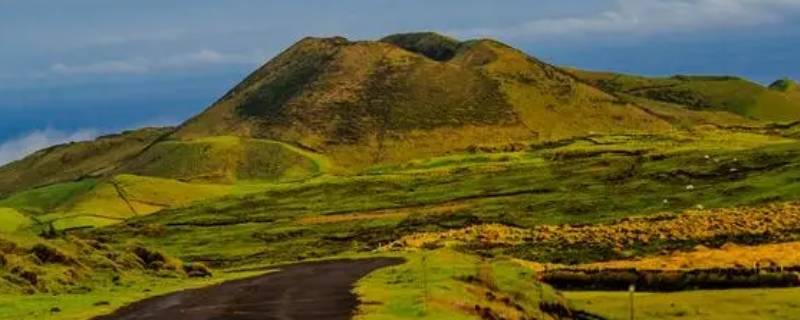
x=314 y=290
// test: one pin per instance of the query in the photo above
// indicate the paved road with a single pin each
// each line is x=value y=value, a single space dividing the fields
x=315 y=290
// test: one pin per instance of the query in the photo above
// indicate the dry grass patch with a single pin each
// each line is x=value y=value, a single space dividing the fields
x=730 y=255
x=400 y=213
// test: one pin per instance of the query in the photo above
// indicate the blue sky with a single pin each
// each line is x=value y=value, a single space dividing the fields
x=70 y=70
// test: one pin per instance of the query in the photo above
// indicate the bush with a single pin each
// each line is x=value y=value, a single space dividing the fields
x=155 y=260
x=197 y=270
x=48 y=254
x=669 y=280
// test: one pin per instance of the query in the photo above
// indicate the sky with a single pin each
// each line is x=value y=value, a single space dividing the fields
x=72 y=70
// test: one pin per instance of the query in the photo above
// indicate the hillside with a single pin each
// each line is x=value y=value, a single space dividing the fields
x=477 y=164
x=339 y=106
x=785 y=85
x=779 y=102
x=75 y=161
x=410 y=95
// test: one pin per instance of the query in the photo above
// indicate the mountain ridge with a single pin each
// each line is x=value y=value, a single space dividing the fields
x=357 y=104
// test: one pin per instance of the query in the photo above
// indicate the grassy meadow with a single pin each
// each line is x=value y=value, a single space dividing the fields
x=484 y=168
x=549 y=190
x=756 y=304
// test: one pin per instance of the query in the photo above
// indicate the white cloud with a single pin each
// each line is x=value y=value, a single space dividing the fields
x=208 y=56
x=20 y=147
x=143 y=65
x=137 y=65
x=648 y=17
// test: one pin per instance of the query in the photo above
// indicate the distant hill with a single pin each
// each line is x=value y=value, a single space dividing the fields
x=717 y=93
x=339 y=106
x=785 y=85
x=74 y=161
x=410 y=95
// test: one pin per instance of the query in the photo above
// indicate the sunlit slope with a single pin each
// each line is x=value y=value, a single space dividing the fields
x=127 y=196
x=780 y=102
x=366 y=102
x=166 y=174
x=340 y=106
x=226 y=159
x=12 y=220
x=104 y=202
x=785 y=85
x=76 y=160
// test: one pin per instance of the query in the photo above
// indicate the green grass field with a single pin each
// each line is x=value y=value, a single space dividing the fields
x=341 y=148
x=731 y=94
x=444 y=284
x=12 y=221
x=592 y=179
x=756 y=304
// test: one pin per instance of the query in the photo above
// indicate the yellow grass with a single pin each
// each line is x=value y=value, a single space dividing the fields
x=730 y=255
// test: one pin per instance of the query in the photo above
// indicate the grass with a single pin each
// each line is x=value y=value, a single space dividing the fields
x=125 y=196
x=45 y=199
x=11 y=220
x=729 y=94
x=66 y=222
x=755 y=304
x=225 y=159
x=592 y=180
x=92 y=203
x=729 y=256
x=445 y=284
x=75 y=161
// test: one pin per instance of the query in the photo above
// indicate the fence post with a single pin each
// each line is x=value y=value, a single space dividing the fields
x=425 y=280
x=632 y=291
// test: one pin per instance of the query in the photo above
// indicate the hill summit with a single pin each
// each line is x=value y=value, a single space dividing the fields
x=410 y=94
x=785 y=85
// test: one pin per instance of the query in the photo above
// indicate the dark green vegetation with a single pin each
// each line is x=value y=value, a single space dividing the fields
x=660 y=280
x=779 y=102
x=770 y=304
x=76 y=161
x=785 y=85
x=339 y=148
x=583 y=181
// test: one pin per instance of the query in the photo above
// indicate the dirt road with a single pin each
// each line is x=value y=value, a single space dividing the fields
x=315 y=290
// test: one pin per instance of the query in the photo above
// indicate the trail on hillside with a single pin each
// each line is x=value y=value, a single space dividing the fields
x=314 y=290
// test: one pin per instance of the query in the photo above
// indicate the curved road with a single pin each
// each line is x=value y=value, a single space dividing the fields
x=314 y=290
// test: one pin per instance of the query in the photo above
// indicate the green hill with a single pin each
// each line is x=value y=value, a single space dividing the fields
x=398 y=147
x=224 y=159
x=785 y=85
x=410 y=95
x=339 y=106
x=75 y=161
x=723 y=93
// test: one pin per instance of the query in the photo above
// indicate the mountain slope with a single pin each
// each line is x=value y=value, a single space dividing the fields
x=409 y=95
x=330 y=105
x=708 y=93
x=74 y=161
x=785 y=85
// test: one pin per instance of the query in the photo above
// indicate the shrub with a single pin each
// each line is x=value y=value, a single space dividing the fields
x=197 y=270
x=669 y=280
x=48 y=254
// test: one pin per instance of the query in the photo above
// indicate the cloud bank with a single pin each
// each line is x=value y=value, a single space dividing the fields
x=140 y=65
x=649 y=17
x=18 y=148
